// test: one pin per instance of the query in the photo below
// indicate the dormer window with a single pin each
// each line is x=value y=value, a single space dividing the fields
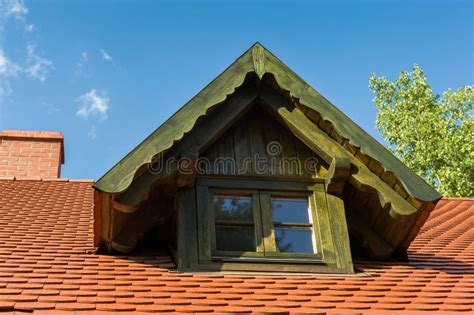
x=259 y=223
x=264 y=224
x=259 y=172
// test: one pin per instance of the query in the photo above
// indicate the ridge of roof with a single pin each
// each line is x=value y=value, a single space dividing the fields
x=41 y=179
x=259 y=60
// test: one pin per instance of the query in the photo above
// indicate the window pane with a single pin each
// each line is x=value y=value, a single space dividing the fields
x=233 y=208
x=235 y=239
x=294 y=240
x=290 y=210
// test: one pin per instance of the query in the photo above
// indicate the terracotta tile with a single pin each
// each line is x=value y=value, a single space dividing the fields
x=152 y=295
x=6 y=306
x=115 y=294
x=294 y=298
x=247 y=303
x=172 y=301
x=116 y=307
x=154 y=308
x=30 y=306
x=305 y=292
x=272 y=311
x=75 y=306
x=7 y=291
x=227 y=297
x=18 y=298
x=133 y=300
x=456 y=308
x=95 y=300
x=321 y=305
x=232 y=310
x=261 y=297
x=193 y=309
x=210 y=302
x=307 y=311
x=57 y=298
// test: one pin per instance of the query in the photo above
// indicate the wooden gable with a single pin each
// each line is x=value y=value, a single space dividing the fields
x=256 y=101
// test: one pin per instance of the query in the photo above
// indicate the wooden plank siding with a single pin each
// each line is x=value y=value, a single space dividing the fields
x=254 y=137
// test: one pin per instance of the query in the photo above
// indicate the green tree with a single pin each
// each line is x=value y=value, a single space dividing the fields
x=432 y=134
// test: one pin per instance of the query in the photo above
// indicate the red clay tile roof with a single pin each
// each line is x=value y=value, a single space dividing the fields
x=47 y=264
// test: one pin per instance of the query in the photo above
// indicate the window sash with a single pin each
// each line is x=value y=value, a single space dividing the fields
x=266 y=246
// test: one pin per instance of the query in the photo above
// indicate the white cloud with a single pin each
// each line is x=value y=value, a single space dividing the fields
x=30 y=28
x=84 y=56
x=105 y=55
x=37 y=67
x=93 y=104
x=81 y=65
x=7 y=67
x=12 y=8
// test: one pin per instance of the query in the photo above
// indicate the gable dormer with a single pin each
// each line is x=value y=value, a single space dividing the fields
x=260 y=172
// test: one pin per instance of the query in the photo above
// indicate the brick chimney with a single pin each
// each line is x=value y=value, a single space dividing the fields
x=31 y=154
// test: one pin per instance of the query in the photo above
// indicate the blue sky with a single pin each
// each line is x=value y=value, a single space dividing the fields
x=107 y=73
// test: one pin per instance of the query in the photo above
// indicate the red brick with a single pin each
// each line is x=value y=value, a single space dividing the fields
x=31 y=154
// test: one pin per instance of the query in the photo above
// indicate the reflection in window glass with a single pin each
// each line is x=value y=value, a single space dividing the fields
x=293 y=210
x=233 y=208
x=294 y=240
x=235 y=238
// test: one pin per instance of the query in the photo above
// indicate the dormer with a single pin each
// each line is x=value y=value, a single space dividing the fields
x=259 y=172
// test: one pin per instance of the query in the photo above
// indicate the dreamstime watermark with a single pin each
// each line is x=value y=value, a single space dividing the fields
x=271 y=163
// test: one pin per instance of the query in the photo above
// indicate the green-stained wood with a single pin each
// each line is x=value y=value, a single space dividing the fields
x=265 y=267
x=340 y=232
x=319 y=201
x=119 y=177
x=337 y=176
x=338 y=173
x=214 y=124
x=328 y=222
x=201 y=137
x=187 y=229
x=327 y=148
x=205 y=225
x=260 y=61
x=348 y=129
x=257 y=135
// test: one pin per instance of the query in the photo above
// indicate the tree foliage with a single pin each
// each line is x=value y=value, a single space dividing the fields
x=432 y=134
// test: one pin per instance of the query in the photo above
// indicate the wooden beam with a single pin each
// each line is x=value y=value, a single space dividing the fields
x=338 y=173
x=97 y=218
x=187 y=230
x=186 y=175
x=326 y=147
x=336 y=178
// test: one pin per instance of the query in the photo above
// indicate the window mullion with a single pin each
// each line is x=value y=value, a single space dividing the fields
x=257 y=218
x=269 y=242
